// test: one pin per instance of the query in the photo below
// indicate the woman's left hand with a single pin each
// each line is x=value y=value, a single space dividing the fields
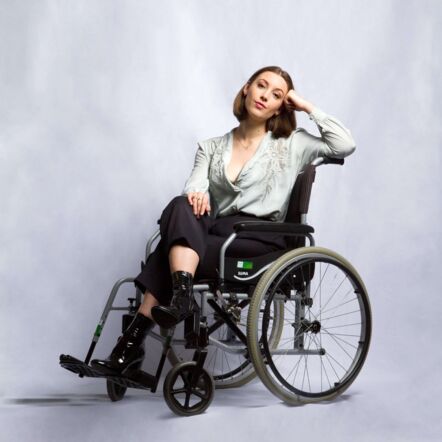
x=293 y=101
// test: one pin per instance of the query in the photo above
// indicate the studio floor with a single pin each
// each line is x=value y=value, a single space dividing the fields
x=371 y=410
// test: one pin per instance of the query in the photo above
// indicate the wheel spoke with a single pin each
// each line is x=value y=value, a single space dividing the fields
x=343 y=314
x=297 y=368
x=339 y=305
x=294 y=367
x=329 y=355
x=334 y=293
x=333 y=336
x=320 y=281
x=178 y=391
x=186 y=403
x=322 y=365
x=344 y=325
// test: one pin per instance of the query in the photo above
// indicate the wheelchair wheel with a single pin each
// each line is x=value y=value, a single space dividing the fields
x=228 y=359
x=187 y=392
x=115 y=391
x=327 y=326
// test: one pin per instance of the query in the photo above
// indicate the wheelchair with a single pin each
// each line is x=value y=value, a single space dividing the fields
x=299 y=319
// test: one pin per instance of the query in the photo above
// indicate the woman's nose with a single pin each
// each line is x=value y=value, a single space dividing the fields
x=264 y=96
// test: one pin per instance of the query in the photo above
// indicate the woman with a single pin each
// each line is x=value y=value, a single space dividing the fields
x=246 y=174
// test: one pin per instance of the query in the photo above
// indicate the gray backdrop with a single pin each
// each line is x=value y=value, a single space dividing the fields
x=101 y=106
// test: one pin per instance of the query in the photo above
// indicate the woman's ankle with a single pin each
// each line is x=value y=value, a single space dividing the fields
x=145 y=312
x=149 y=301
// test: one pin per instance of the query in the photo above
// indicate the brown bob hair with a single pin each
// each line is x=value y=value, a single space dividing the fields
x=281 y=125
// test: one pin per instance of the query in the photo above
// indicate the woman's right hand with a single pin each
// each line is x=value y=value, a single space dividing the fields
x=200 y=203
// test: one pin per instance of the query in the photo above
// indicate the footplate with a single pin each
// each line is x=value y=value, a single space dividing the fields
x=79 y=367
x=134 y=379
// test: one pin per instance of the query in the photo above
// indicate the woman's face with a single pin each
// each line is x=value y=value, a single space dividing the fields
x=265 y=95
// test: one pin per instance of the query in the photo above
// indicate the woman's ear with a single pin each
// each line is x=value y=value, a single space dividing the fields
x=245 y=89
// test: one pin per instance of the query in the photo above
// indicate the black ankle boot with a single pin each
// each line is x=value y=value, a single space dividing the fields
x=182 y=302
x=129 y=351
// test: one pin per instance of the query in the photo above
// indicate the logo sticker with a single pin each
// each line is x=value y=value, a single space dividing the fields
x=246 y=265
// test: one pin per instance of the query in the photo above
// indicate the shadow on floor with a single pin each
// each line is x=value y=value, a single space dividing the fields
x=241 y=398
x=74 y=399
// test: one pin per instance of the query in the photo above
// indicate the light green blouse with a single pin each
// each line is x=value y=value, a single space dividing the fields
x=265 y=182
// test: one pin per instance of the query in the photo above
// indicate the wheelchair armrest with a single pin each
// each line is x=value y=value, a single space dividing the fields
x=284 y=229
x=273 y=227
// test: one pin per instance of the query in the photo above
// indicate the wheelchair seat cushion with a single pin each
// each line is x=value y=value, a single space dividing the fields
x=241 y=249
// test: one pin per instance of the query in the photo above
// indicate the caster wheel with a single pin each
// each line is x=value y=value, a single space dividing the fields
x=186 y=392
x=114 y=391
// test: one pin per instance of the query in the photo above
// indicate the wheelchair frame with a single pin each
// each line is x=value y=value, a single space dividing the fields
x=257 y=351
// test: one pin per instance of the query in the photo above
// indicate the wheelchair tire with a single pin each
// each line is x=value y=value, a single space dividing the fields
x=318 y=357
x=179 y=387
x=115 y=391
x=226 y=370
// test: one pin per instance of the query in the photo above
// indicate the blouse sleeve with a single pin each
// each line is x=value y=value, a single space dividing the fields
x=199 y=178
x=335 y=140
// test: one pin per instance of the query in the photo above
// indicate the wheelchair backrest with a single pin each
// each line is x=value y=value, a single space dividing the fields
x=299 y=202
x=300 y=196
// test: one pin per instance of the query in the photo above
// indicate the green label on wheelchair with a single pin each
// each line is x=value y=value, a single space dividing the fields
x=247 y=265
x=98 y=330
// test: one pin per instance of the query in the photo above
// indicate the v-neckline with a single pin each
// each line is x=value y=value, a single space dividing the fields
x=228 y=156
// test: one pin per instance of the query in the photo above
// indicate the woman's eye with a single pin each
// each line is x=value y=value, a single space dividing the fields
x=276 y=96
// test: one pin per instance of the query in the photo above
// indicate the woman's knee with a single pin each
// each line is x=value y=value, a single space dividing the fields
x=177 y=203
x=180 y=200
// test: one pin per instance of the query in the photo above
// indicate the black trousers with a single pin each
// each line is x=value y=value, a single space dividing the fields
x=206 y=235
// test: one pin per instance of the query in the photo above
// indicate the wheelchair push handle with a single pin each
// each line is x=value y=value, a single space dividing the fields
x=327 y=160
